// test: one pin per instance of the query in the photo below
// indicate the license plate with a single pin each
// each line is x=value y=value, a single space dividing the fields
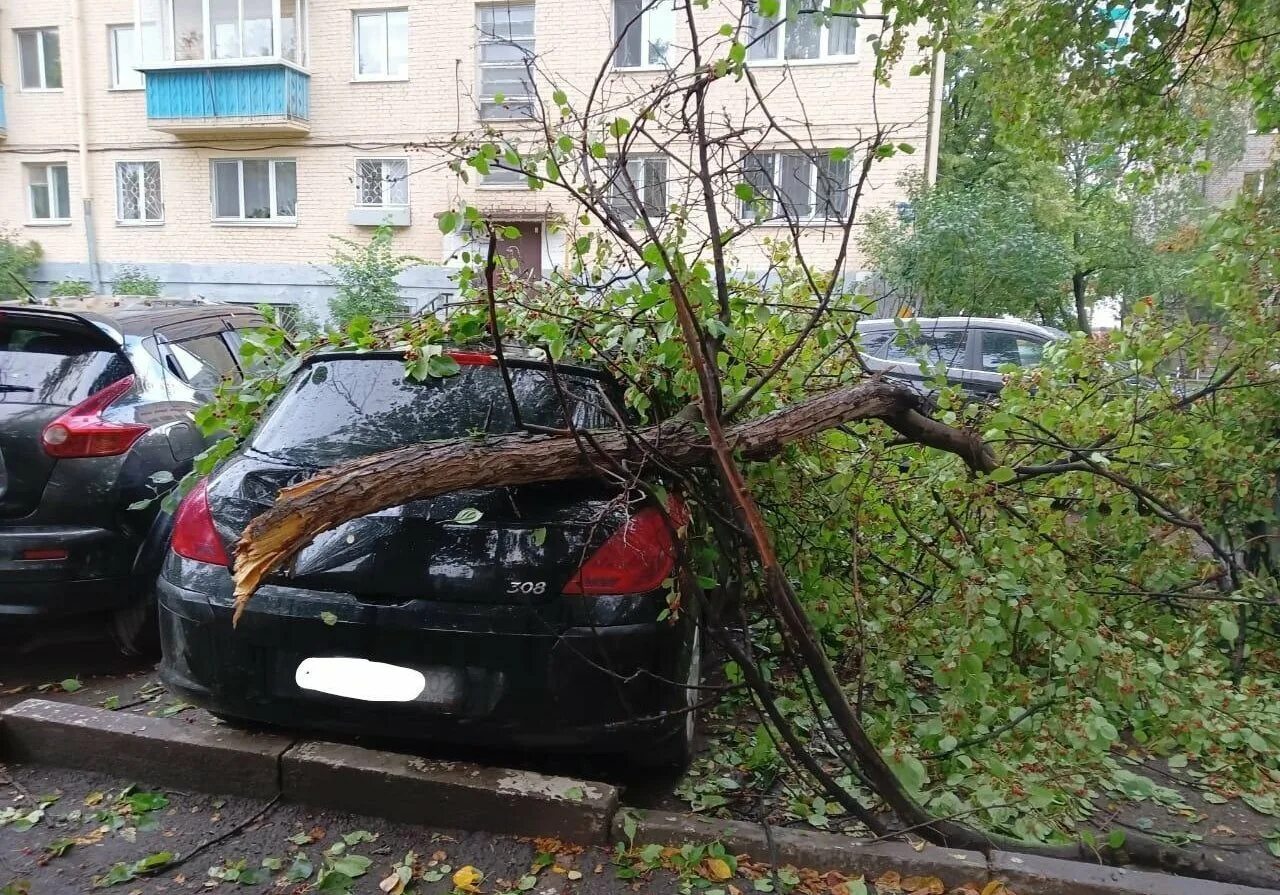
x=370 y=681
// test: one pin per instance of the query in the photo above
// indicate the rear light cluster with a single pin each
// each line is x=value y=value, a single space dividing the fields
x=636 y=558
x=82 y=431
x=193 y=533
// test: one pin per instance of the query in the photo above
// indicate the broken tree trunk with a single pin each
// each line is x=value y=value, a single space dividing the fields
x=378 y=481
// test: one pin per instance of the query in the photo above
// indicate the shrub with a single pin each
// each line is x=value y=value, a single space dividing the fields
x=17 y=259
x=71 y=288
x=132 y=281
x=365 y=278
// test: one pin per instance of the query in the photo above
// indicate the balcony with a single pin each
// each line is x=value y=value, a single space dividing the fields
x=271 y=97
x=4 y=130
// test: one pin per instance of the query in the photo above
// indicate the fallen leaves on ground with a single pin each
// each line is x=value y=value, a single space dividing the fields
x=467 y=879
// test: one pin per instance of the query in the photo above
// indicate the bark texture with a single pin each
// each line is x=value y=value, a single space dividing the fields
x=351 y=490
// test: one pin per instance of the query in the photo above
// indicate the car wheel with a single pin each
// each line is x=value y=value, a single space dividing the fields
x=135 y=628
x=676 y=749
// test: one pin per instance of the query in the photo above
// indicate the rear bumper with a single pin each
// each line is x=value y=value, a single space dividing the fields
x=600 y=688
x=92 y=577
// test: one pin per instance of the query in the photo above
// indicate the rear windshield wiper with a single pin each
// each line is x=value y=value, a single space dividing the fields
x=5 y=387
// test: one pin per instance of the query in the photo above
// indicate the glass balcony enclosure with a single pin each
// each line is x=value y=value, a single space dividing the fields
x=225 y=65
x=200 y=32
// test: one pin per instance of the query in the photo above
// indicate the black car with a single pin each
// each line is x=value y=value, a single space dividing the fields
x=95 y=414
x=529 y=616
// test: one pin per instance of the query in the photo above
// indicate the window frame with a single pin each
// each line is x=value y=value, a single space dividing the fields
x=144 y=221
x=382 y=160
x=113 y=59
x=616 y=195
x=483 y=99
x=645 y=23
x=356 y=15
x=824 y=57
x=275 y=220
x=746 y=210
x=41 y=33
x=164 y=52
x=50 y=184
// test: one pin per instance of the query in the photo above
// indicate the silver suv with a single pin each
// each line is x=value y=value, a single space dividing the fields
x=971 y=349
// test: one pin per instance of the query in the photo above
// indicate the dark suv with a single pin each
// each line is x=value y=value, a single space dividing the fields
x=96 y=399
x=532 y=615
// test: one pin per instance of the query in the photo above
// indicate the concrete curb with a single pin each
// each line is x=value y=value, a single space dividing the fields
x=464 y=796
x=161 y=750
x=1024 y=874
x=447 y=793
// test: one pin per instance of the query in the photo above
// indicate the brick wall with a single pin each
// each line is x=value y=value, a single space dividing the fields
x=349 y=118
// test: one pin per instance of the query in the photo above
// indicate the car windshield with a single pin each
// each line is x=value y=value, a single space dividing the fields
x=340 y=409
x=39 y=366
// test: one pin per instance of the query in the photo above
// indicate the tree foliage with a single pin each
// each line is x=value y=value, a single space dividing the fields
x=364 y=278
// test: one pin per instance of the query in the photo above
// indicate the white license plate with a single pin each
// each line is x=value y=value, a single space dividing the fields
x=371 y=681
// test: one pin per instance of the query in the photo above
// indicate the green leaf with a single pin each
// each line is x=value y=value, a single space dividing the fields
x=745 y=192
x=619 y=128
x=1214 y=798
x=1228 y=629
x=351 y=865
x=468 y=516
x=328 y=618
x=301 y=868
x=1002 y=474
x=538 y=536
x=737 y=53
x=441 y=366
x=70 y=685
x=559 y=97
x=355 y=837
x=1115 y=839
x=448 y=221
x=768 y=9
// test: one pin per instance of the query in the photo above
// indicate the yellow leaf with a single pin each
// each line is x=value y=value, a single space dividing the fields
x=889 y=881
x=924 y=885
x=393 y=884
x=995 y=887
x=467 y=879
x=718 y=869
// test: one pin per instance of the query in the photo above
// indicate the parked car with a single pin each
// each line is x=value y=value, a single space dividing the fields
x=525 y=615
x=95 y=399
x=971 y=349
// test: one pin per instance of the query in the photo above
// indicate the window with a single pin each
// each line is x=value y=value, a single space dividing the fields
x=125 y=56
x=505 y=46
x=201 y=30
x=999 y=348
x=382 y=44
x=40 y=59
x=945 y=347
x=203 y=362
x=138 y=197
x=504 y=177
x=254 y=189
x=1259 y=183
x=810 y=29
x=795 y=186
x=48 y=194
x=642 y=32
x=641 y=190
x=382 y=182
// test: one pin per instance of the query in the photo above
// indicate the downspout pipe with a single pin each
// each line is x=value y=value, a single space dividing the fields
x=82 y=138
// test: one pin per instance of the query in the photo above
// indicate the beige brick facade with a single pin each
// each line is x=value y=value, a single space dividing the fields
x=832 y=104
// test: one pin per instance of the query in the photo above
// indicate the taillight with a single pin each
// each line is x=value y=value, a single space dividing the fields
x=82 y=432
x=472 y=358
x=636 y=558
x=193 y=533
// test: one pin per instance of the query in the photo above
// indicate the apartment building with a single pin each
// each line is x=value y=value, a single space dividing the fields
x=217 y=145
x=1255 y=170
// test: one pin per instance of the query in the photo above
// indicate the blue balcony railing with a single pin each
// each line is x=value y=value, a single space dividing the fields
x=3 y=127
x=268 y=97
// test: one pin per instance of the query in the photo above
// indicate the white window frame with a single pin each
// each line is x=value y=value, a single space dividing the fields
x=618 y=186
x=51 y=185
x=356 y=15
x=776 y=217
x=483 y=98
x=275 y=220
x=113 y=58
x=648 y=7
x=167 y=49
x=382 y=160
x=143 y=221
x=40 y=32
x=824 y=57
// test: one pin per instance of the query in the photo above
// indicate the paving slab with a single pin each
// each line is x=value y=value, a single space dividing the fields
x=804 y=848
x=1053 y=876
x=167 y=751
x=447 y=793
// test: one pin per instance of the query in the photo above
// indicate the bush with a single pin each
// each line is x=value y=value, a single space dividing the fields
x=71 y=288
x=365 y=279
x=17 y=259
x=132 y=281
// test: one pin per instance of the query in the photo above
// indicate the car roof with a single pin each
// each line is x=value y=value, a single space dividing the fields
x=136 y=315
x=927 y=323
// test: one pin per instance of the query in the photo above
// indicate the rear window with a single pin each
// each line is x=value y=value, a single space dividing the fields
x=337 y=410
x=39 y=366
